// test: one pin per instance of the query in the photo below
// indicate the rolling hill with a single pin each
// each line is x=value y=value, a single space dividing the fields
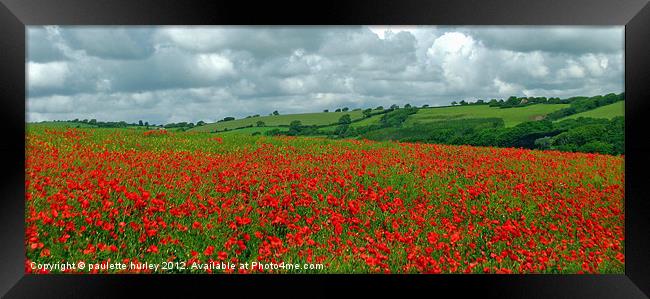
x=322 y=118
x=510 y=116
x=609 y=111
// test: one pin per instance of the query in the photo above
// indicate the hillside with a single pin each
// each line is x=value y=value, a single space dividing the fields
x=322 y=118
x=609 y=111
x=510 y=116
x=62 y=124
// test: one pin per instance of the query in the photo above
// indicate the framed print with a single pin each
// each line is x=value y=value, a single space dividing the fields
x=370 y=145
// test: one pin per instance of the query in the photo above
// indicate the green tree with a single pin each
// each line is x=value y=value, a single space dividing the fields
x=366 y=113
x=597 y=147
x=345 y=119
x=295 y=127
x=260 y=123
x=512 y=101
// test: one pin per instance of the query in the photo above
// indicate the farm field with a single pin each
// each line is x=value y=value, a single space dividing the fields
x=510 y=116
x=608 y=111
x=352 y=206
x=53 y=124
x=246 y=131
x=321 y=118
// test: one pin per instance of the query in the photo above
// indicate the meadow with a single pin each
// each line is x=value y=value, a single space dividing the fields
x=321 y=118
x=353 y=206
x=609 y=111
x=511 y=116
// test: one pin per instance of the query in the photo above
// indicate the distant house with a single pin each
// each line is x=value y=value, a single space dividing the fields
x=523 y=101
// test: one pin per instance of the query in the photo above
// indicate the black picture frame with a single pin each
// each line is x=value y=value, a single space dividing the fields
x=15 y=15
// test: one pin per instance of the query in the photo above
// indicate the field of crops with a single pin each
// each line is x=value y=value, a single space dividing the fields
x=322 y=118
x=608 y=111
x=353 y=206
x=510 y=116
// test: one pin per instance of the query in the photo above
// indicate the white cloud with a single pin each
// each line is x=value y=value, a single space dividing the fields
x=505 y=89
x=572 y=70
x=214 y=65
x=458 y=56
x=595 y=64
x=163 y=74
x=383 y=31
x=197 y=39
x=50 y=74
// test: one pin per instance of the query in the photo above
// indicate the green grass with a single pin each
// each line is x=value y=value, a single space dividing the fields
x=608 y=111
x=61 y=124
x=321 y=118
x=510 y=116
x=373 y=120
x=247 y=131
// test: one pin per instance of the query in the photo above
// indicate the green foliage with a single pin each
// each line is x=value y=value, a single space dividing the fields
x=582 y=104
x=179 y=125
x=583 y=135
x=396 y=117
x=607 y=111
x=345 y=119
x=597 y=147
x=295 y=127
x=544 y=142
x=511 y=116
x=448 y=132
x=274 y=132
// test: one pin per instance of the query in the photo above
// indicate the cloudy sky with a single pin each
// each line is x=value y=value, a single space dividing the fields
x=171 y=74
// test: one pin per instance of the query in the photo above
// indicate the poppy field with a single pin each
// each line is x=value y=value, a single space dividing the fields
x=101 y=196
